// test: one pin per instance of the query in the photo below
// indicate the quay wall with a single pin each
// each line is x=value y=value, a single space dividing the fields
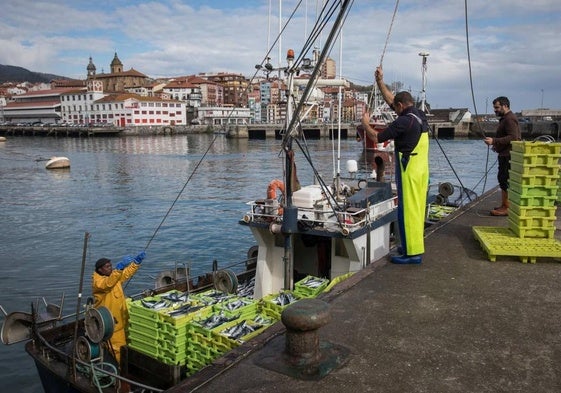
x=444 y=130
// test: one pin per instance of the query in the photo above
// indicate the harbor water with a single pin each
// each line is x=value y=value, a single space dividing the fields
x=179 y=197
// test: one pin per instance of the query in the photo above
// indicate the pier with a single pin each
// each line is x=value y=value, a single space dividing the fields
x=310 y=131
x=57 y=130
x=455 y=323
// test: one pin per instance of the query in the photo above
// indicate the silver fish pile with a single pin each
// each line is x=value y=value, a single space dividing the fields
x=154 y=304
x=240 y=330
x=184 y=310
x=216 y=320
x=175 y=297
x=247 y=288
x=284 y=298
x=236 y=304
x=312 y=282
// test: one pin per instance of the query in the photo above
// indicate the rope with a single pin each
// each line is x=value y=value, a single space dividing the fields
x=98 y=376
x=373 y=93
x=473 y=94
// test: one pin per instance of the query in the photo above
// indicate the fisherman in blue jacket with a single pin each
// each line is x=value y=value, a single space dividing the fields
x=410 y=134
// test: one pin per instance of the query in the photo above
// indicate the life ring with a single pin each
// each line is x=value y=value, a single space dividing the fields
x=271 y=188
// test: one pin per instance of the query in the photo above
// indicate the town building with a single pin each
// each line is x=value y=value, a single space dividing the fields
x=117 y=79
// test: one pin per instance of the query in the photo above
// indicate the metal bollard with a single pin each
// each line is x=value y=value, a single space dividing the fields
x=302 y=321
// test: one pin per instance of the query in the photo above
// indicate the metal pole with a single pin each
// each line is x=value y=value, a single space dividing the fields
x=424 y=55
x=78 y=305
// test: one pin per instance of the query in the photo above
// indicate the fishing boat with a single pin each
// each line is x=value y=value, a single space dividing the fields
x=380 y=118
x=309 y=237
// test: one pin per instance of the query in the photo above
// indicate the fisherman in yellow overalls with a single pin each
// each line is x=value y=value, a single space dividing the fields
x=410 y=134
x=107 y=290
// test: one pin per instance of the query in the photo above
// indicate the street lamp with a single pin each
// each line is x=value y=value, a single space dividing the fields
x=542 y=100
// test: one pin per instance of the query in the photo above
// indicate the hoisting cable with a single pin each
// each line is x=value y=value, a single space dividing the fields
x=372 y=94
x=181 y=191
x=214 y=139
x=478 y=126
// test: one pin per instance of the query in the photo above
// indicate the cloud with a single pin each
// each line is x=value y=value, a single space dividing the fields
x=513 y=45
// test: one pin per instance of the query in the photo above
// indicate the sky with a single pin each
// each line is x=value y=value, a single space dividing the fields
x=514 y=46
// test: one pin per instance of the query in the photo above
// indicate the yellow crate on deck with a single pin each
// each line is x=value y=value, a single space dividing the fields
x=534 y=169
x=534 y=180
x=531 y=231
x=532 y=211
x=548 y=160
x=531 y=200
x=536 y=147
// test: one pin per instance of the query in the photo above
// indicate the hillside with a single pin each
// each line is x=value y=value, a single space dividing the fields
x=10 y=73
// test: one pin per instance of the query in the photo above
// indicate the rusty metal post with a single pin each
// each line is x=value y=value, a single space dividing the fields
x=302 y=321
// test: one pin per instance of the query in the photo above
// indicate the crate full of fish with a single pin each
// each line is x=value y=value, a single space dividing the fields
x=199 y=340
x=246 y=329
x=211 y=297
x=236 y=306
x=147 y=308
x=310 y=286
x=273 y=304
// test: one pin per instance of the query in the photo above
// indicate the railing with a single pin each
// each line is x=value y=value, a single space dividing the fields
x=349 y=220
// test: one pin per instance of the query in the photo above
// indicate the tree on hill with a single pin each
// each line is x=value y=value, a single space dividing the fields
x=10 y=73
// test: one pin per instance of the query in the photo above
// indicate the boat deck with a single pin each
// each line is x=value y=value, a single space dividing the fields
x=456 y=323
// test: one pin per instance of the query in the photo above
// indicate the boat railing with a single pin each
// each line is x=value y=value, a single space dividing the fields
x=322 y=217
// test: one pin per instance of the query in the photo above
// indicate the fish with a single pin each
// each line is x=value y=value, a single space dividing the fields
x=234 y=305
x=284 y=298
x=183 y=310
x=216 y=320
x=154 y=304
x=240 y=330
x=313 y=282
x=175 y=297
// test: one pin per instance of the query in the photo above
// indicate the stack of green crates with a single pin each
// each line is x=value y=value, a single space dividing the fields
x=533 y=188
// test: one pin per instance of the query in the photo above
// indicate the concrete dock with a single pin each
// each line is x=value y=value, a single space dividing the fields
x=455 y=323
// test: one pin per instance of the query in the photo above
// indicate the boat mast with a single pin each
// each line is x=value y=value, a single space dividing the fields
x=290 y=213
x=424 y=55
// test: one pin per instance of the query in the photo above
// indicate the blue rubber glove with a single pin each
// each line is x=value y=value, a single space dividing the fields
x=127 y=259
x=140 y=257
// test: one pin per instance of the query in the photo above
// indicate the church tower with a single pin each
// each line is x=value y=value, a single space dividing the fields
x=91 y=68
x=116 y=65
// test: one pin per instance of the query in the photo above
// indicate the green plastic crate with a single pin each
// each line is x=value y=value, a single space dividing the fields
x=536 y=147
x=303 y=287
x=548 y=160
x=529 y=221
x=532 y=211
x=534 y=180
x=524 y=232
x=531 y=200
x=136 y=308
x=535 y=170
x=182 y=320
x=526 y=190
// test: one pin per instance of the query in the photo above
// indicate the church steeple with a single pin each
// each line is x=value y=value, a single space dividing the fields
x=116 y=65
x=91 y=68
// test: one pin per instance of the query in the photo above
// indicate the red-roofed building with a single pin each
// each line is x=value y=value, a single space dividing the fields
x=35 y=106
